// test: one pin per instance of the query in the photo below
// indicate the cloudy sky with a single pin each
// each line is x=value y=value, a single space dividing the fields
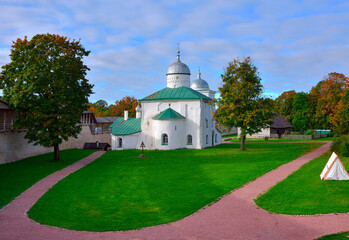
x=293 y=43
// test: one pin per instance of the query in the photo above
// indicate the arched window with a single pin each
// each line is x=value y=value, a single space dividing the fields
x=164 y=139
x=120 y=143
x=206 y=123
x=189 y=140
x=215 y=138
x=206 y=139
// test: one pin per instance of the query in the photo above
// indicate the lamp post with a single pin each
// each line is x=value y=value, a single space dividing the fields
x=142 y=146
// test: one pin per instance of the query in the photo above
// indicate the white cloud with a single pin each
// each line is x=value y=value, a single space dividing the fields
x=133 y=42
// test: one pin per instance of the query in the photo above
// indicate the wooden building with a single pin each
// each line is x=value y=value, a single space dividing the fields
x=279 y=126
x=7 y=117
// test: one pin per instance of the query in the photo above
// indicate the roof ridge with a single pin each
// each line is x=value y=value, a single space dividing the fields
x=181 y=93
x=168 y=113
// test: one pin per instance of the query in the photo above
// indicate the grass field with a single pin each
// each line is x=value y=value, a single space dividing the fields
x=313 y=197
x=119 y=191
x=280 y=140
x=338 y=236
x=18 y=176
x=230 y=135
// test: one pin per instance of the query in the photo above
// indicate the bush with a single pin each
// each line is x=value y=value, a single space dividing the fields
x=335 y=146
x=309 y=132
x=341 y=146
x=344 y=149
x=330 y=134
x=294 y=133
x=266 y=138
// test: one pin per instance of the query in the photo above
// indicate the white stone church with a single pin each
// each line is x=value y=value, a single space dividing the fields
x=178 y=116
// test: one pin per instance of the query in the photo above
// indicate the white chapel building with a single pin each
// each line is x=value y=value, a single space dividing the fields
x=178 y=116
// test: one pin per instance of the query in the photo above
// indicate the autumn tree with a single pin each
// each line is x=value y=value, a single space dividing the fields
x=328 y=94
x=46 y=82
x=283 y=105
x=99 y=108
x=340 y=117
x=129 y=103
x=241 y=103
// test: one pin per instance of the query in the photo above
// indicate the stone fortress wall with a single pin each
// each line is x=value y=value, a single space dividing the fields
x=14 y=147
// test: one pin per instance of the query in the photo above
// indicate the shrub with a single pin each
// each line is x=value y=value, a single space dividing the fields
x=266 y=138
x=341 y=146
x=344 y=148
x=330 y=134
x=309 y=132
x=335 y=146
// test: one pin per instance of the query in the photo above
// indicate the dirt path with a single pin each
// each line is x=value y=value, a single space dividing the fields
x=235 y=216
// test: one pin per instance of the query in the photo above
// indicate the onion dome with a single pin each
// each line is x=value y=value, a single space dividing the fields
x=200 y=84
x=178 y=67
x=138 y=108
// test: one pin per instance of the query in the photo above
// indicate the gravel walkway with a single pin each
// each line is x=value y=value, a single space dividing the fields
x=235 y=216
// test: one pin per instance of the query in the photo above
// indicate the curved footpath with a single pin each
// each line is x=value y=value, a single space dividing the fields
x=235 y=216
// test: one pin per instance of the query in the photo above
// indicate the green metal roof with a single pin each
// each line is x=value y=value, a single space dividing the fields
x=169 y=113
x=117 y=122
x=128 y=127
x=180 y=93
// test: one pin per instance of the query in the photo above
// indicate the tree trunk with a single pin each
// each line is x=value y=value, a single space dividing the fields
x=243 y=138
x=56 y=152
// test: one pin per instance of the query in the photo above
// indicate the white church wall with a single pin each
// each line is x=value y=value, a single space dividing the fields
x=265 y=132
x=178 y=80
x=209 y=130
x=128 y=141
x=190 y=109
x=219 y=138
x=175 y=131
x=208 y=93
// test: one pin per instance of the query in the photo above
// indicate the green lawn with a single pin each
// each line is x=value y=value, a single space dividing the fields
x=119 y=191
x=338 y=236
x=18 y=176
x=303 y=192
x=236 y=140
x=230 y=135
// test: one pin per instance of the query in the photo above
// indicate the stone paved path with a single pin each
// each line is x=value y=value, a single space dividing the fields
x=235 y=216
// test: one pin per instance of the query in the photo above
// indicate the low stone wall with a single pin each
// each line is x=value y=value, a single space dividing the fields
x=300 y=136
x=225 y=131
x=14 y=147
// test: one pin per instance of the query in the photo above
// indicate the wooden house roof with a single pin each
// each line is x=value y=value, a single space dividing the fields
x=280 y=122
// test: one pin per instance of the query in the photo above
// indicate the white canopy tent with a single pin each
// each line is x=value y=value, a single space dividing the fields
x=334 y=169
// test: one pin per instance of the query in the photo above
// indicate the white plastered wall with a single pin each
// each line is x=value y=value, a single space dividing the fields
x=196 y=112
x=178 y=80
x=128 y=141
x=265 y=132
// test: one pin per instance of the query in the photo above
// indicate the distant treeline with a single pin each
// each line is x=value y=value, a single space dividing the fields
x=102 y=109
x=326 y=106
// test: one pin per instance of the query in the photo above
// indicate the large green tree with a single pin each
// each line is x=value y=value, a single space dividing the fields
x=46 y=83
x=302 y=112
x=241 y=103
